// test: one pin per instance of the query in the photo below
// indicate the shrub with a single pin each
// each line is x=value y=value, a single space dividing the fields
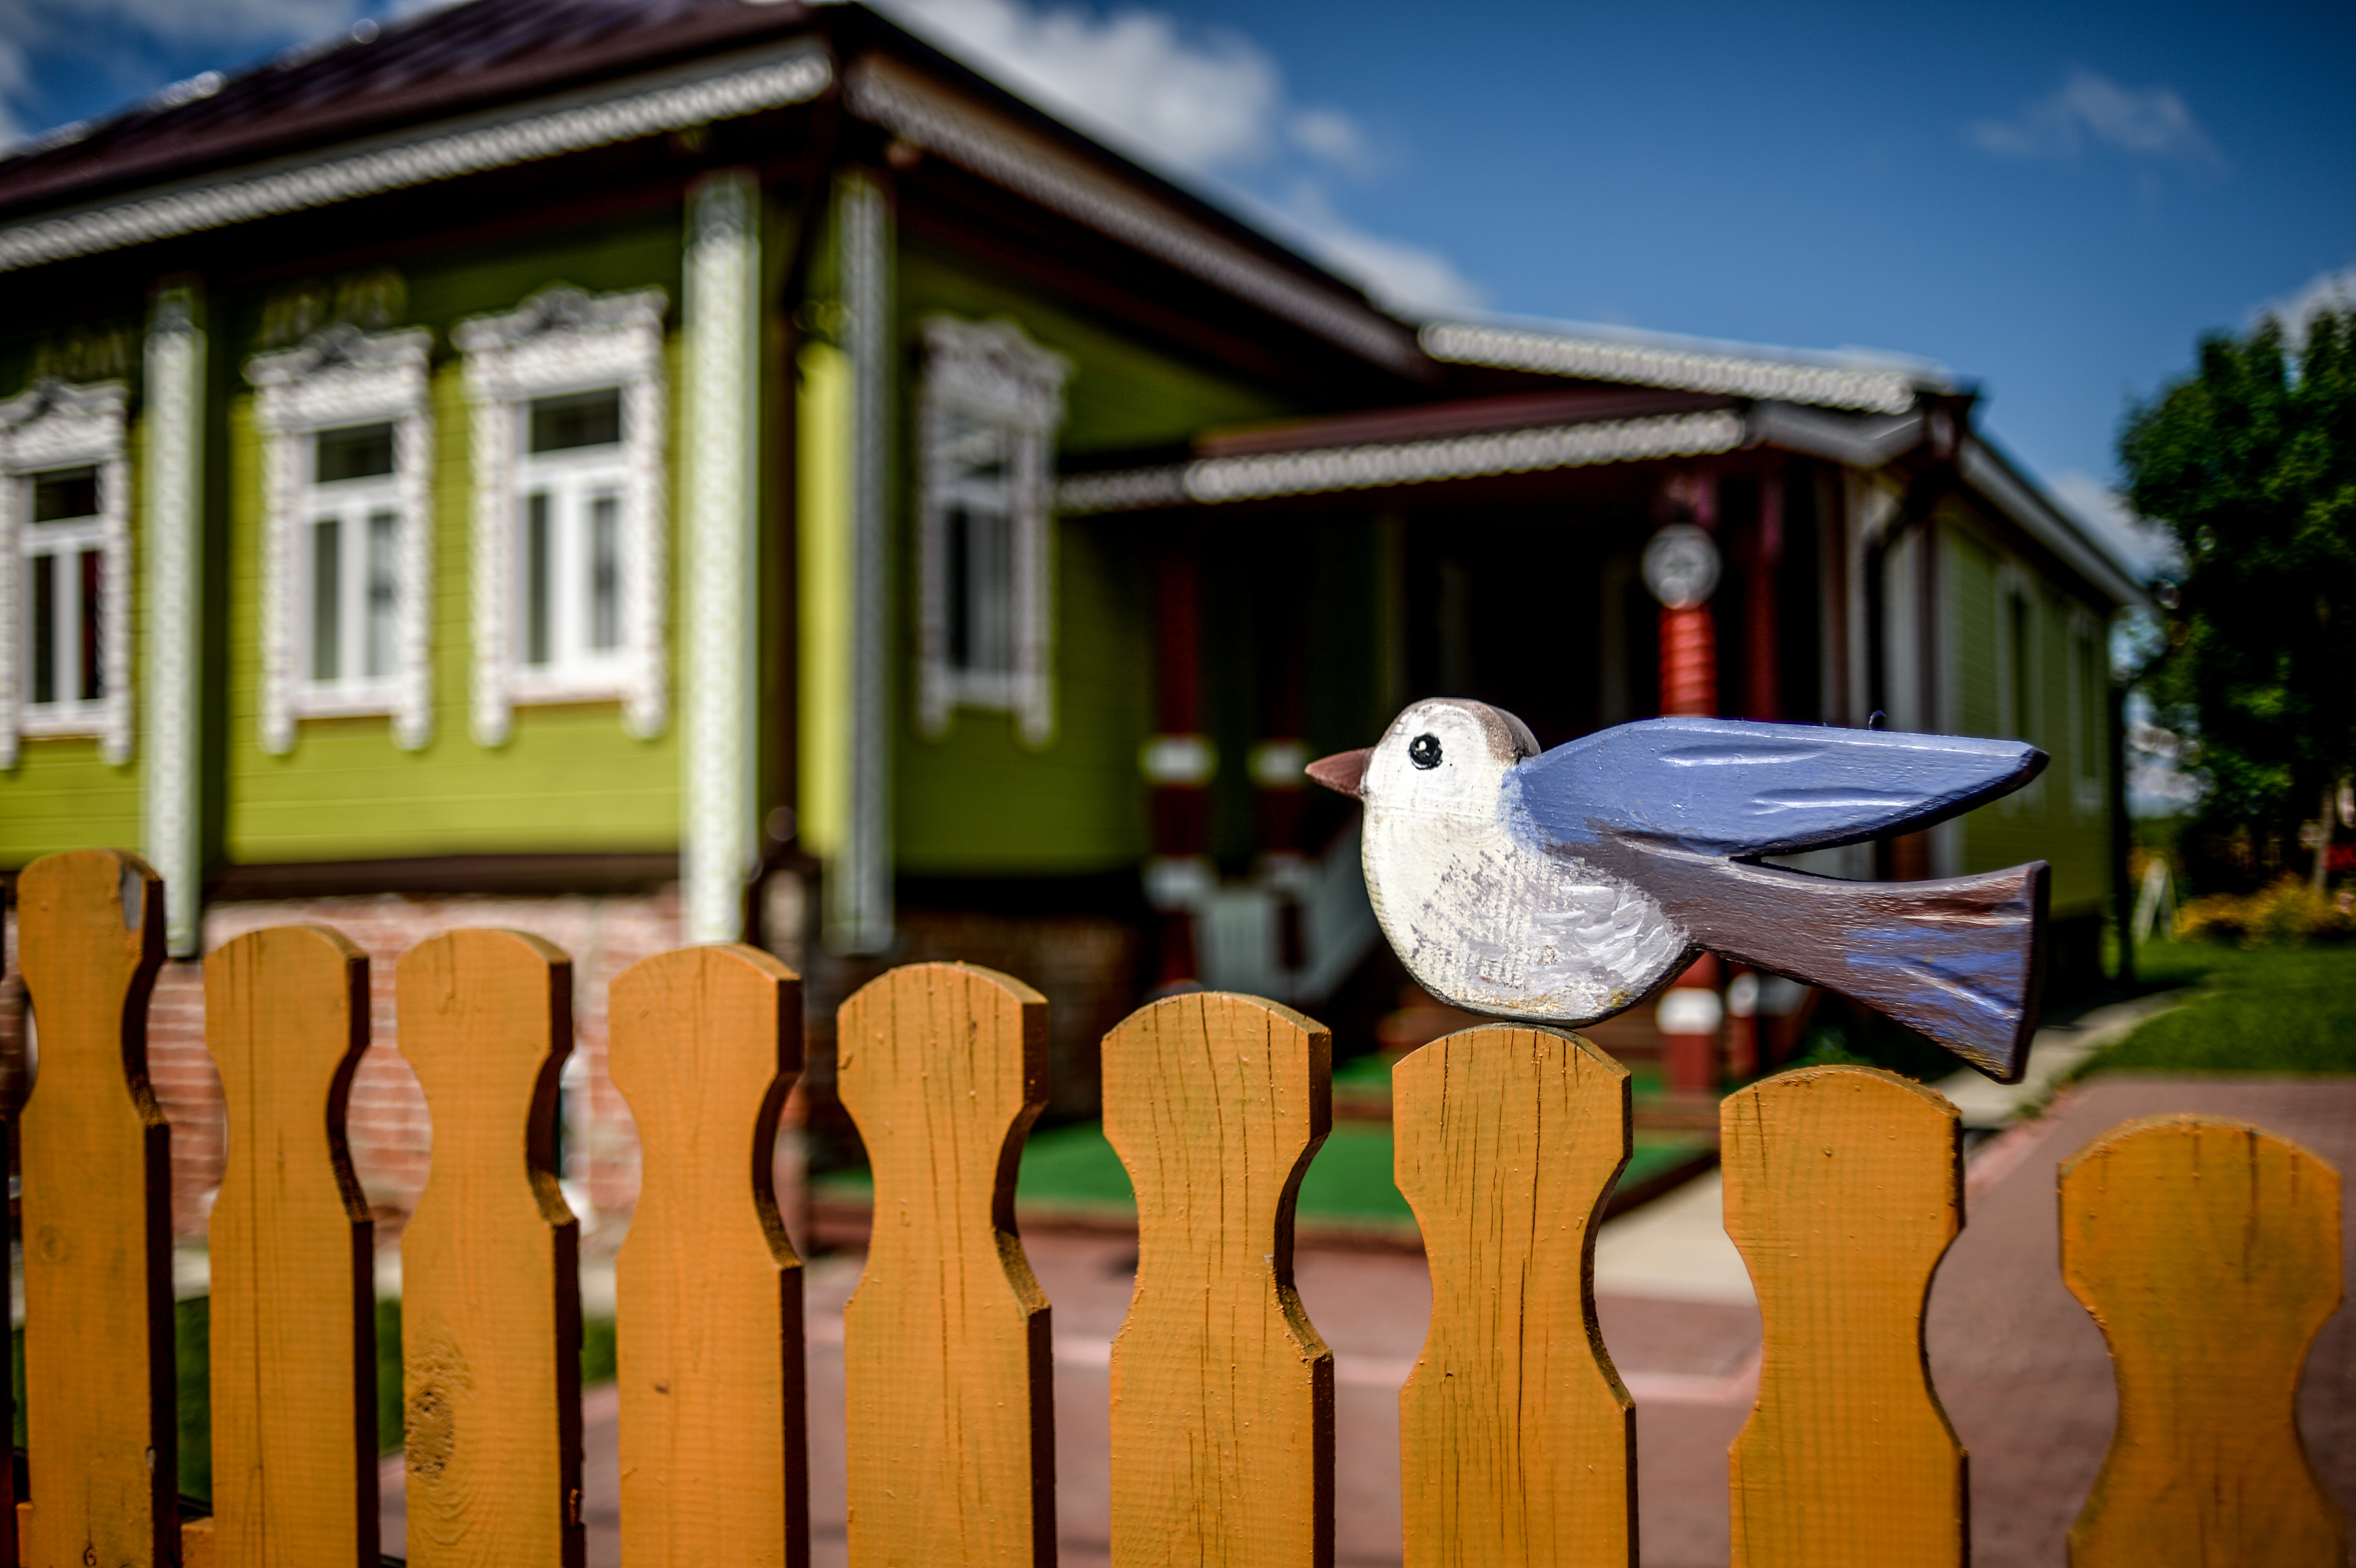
x=2287 y=914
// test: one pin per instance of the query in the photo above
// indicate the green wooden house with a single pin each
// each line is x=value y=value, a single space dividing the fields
x=690 y=470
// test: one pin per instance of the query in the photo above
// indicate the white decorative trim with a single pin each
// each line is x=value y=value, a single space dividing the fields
x=992 y=373
x=563 y=340
x=1213 y=480
x=174 y=430
x=1654 y=364
x=721 y=548
x=1032 y=167
x=53 y=425
x=554 y=127
x=859 y=882
x=343 y=376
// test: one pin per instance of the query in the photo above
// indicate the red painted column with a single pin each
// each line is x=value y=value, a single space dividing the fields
x=1178 y=763
x=1689 y=1016
x=1681 y=569
x=1762 y=678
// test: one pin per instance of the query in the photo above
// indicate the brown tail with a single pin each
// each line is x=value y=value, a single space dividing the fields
x=1961 y=960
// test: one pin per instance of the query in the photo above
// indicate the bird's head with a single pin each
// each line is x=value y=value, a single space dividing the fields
x=1444 y=755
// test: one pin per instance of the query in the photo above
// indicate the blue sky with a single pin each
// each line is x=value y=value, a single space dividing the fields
x=2055 y=202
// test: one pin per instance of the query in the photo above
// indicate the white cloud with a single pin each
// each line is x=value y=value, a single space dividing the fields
x=1208 y=104
x=1198 y=100
x=2325 y=291
x=2144 y=548
x=1411 y=279
x=2146 y=122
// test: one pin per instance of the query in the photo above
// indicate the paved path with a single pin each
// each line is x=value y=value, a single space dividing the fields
x=2020 y=1368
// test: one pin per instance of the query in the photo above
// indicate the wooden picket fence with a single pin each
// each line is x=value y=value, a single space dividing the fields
x=2208 y=1250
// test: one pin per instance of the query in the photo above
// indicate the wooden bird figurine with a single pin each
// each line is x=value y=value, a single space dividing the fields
x=1569 y=885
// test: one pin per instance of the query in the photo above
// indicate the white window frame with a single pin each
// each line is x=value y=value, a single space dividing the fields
x=992 y=373
x=48 y=426
x=339 y=378
x=559 y=341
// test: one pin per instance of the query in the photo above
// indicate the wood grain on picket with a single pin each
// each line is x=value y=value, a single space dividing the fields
x=708 y=1292
x=294 y=1298
x=490 y=1324
x=1222 y=1393
x=1516 y=1439
x=1843 y=1187
x=2209 y=1252
x=104 y=1456
x=947 y=1369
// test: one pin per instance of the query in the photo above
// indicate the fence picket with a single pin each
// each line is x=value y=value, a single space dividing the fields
x=99 y=1385
x=950 y=1445
x=293 y=1295
x=490 y=1262
x=1843 y=1187
x=1517 y=1440
x=1222 y=1391
x=705 y=1042
x=2209 y=1252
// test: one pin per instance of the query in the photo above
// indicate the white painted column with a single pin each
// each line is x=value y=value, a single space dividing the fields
x=170 y=794
x=859 y=881
x=720 y=413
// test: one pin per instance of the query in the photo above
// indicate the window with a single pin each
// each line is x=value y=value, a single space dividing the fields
x=347 y=555
x=991 y=403
x=569 y=555
x=65 y=662
x=573 y=478
x=2089 y=693
x=2019 y=675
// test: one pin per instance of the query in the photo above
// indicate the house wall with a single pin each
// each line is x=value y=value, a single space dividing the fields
x=569 y=778
x=2064 y=817
x=975 y=801
x=62 y=794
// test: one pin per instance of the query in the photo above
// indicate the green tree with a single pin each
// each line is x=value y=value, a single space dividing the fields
x=2251 y=462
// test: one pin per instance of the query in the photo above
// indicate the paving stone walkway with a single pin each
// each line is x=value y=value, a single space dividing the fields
x=2020 y=1368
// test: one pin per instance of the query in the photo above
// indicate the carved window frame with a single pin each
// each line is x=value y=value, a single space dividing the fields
x=563 y=340
x=339 y=377
x=52 y=426
x=992 y=373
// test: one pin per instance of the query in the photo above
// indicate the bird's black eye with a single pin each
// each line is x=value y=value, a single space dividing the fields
x=1424 y=751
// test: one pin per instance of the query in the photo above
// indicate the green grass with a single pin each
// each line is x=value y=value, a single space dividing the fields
x=1349 y=1180
x=2264 y=1010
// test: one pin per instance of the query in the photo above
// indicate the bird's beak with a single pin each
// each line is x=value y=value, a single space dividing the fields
x=1343 y=771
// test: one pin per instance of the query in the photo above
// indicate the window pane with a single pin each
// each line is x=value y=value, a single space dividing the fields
x=67 y=493
x=362 y=452
x=45 y=628
x=93 y=667
x=537 y=610
x=604 y=571
x=326 y=600
x=586 y=419
x=989 y=592
x=383 y=591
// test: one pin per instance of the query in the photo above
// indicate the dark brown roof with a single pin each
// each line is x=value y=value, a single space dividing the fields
x=377 y=76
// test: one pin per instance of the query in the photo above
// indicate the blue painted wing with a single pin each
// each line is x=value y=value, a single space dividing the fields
x=1733 y=786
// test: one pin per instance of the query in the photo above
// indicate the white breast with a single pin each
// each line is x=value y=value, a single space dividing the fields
x=1496 y=926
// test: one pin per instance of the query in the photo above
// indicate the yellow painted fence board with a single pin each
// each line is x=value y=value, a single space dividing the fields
x=708 y=1292
x=1843 y=1187
x=1222 y=1393
x=97 y=1221
x=2209 y=1252
x=950 y=1443
x=1517 y=1444
x=294 y=1295
x=491 y=1326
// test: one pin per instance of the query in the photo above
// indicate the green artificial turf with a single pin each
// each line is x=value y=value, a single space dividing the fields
x=2263 y=1009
